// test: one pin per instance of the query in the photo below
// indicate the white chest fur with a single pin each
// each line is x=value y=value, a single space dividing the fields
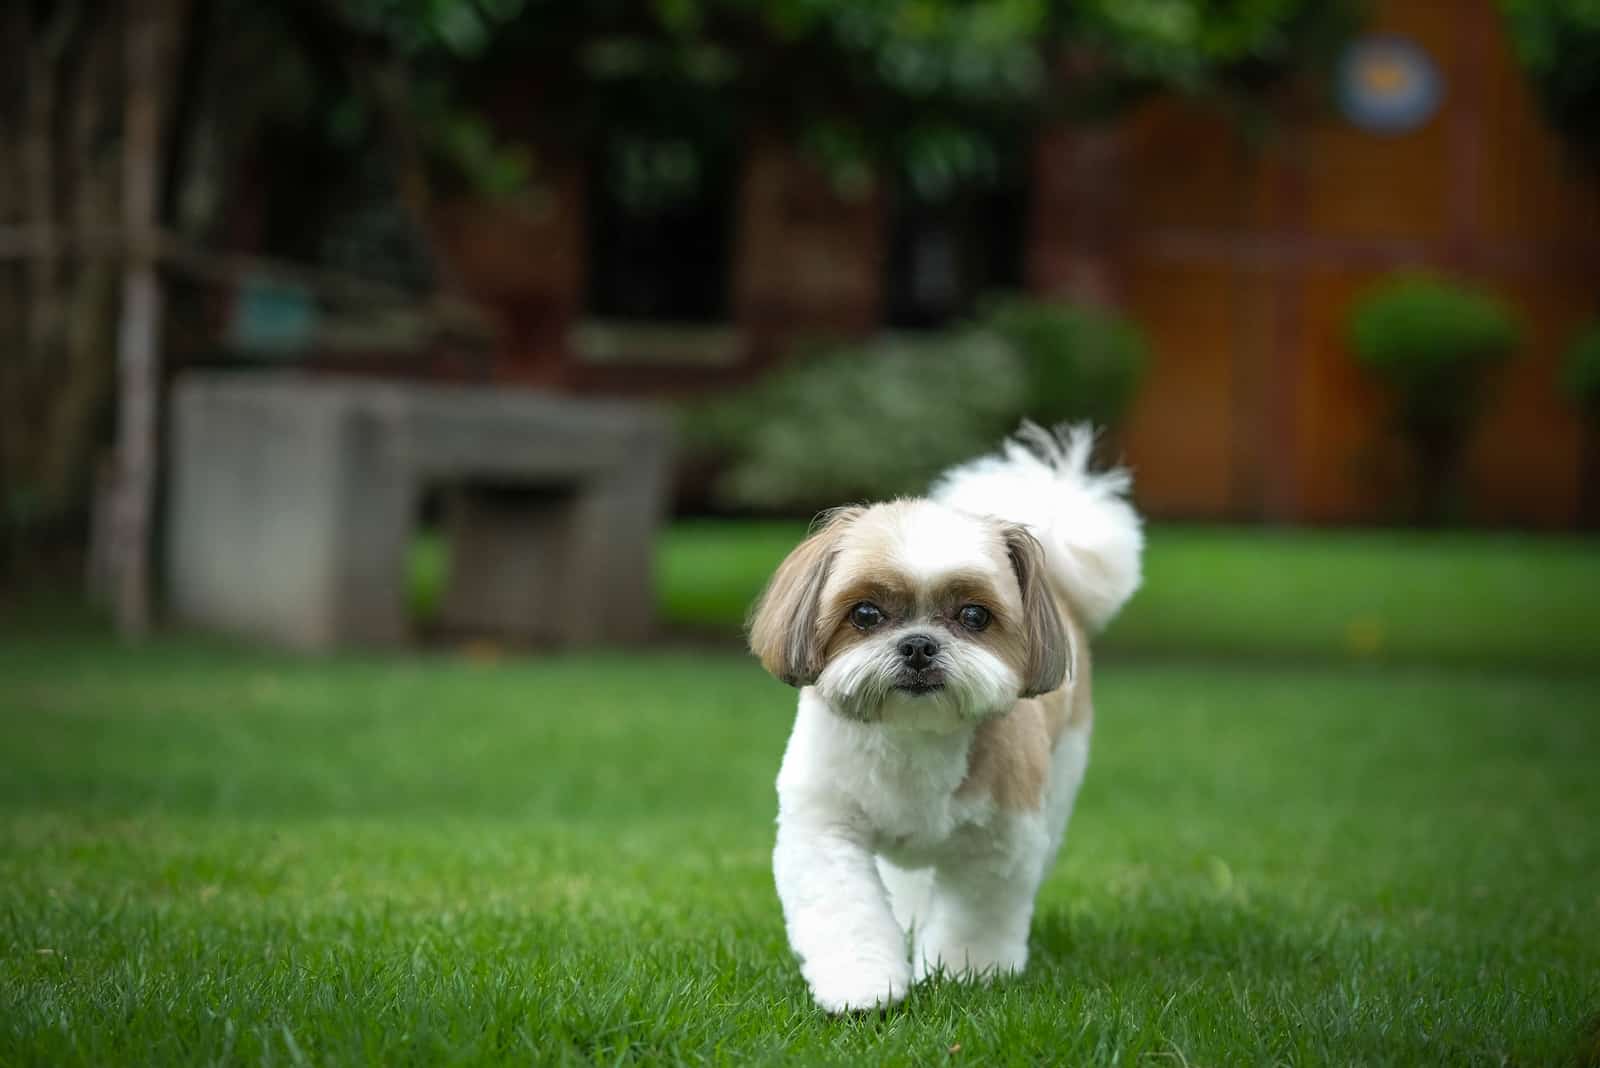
x=896 y=785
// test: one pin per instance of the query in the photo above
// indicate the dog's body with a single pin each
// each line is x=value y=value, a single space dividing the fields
x=945 y=712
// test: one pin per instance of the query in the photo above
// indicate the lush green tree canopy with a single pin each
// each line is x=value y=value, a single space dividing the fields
x=940 y=87
x=1558 y=42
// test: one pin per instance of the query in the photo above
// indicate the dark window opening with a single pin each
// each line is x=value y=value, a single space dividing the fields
x=661 y=230
x=946 y=255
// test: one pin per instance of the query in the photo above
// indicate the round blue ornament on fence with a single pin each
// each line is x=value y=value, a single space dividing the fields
x=1388 y=84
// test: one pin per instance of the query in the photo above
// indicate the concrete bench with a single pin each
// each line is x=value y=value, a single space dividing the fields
x=294 y=500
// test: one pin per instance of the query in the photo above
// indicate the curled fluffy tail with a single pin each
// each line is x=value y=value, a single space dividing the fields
x=1091 y=535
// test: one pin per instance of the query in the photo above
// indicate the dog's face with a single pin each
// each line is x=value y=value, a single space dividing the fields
x=913 y=613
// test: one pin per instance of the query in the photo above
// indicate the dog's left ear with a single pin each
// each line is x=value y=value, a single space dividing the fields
x=783 y=624
x=1049 y=646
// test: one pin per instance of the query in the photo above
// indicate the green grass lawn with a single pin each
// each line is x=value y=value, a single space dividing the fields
x=210 y=854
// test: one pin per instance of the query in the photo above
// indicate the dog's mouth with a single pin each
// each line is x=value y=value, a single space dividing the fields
x=918 y=683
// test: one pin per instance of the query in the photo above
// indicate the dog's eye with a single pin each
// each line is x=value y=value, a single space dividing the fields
x=865 y=615
x=974 y=617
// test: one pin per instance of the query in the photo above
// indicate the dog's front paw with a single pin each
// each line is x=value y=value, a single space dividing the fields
x=968 y=961
x=854 y=986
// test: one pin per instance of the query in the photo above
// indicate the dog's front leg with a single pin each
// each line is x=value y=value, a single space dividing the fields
x=852 y=952
x=978 y=917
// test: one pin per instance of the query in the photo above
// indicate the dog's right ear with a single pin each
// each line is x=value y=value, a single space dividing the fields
x=783 y=624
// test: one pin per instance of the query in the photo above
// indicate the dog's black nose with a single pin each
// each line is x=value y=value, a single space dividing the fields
x=919 y=650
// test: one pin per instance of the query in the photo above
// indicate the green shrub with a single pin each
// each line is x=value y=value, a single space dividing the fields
x=1081 y=363
x=861 y=421
x=879 y=418
x=1433 y=342
x=1420 y=332
x=1580 y=375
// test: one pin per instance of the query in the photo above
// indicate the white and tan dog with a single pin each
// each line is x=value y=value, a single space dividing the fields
x=939 y=646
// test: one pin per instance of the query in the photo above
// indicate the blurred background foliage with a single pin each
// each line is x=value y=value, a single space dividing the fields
x=940 y=89
x=345 y=122
x=1082 y=363
x=880 y=418
x=1581 y=373
x=352 y=118
x=859 y=421
x=1556 y=41
x=931 y=85
x=1434 y=343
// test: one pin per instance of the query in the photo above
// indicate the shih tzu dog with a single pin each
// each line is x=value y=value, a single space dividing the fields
x=939 y=647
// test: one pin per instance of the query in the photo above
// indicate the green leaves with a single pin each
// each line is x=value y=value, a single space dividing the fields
x=1558 y=42
x=1417 y=330
x=459 y=27
x=938 y=88
x=1084 y=363
x=917 y=404
x=1199 y=47
x=1580 y=372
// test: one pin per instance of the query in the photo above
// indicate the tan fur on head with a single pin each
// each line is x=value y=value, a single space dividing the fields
x=1048 y=656
x=783 y=625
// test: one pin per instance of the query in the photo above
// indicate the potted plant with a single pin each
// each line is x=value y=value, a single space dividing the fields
x=1434 y=343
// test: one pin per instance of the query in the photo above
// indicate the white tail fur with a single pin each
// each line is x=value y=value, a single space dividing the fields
x=1092 y=537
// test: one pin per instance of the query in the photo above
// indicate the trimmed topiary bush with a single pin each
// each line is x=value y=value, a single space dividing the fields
x=1082 y=363
x=1434 y=343
x=1424 y=332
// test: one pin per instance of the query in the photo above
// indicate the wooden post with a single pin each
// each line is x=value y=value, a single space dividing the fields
x=149 y=27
